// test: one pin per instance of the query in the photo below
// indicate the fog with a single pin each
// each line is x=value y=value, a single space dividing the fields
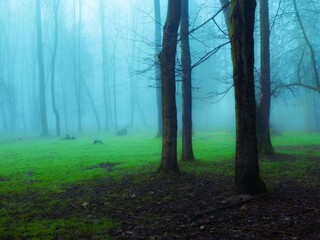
x=108 y=83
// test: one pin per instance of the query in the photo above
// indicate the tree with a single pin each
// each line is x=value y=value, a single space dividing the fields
x=167 y=56
x=157 y=36
x=311 y=50
x=53 y=65
x=247 y=175
x=263 y=110
x=104 y=64
x=77 y=74
x=43 y=110
x=187 y=150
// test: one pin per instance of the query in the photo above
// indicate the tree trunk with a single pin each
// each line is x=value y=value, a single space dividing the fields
x=247 y=176
x=157 y=17
x=44 y=123
x=79 y=87
x=115 y=87
x=104 y=65
x=95 y=111
x=167 y=56
x=53 y=65
x=263 y=111
x=187 y=151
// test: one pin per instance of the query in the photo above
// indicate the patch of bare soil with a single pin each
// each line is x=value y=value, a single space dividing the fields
x=186 y=207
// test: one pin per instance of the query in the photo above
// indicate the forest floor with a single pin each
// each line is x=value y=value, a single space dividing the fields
x=186 y=207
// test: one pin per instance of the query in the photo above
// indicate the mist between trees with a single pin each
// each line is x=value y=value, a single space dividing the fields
x=85 y=65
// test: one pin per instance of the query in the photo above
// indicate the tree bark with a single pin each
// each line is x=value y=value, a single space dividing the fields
x=157 y=18
x=263 y=111
x=43 y=112
x=167 y=56
x=247 y=175
x=187 y=150
x=53 y=65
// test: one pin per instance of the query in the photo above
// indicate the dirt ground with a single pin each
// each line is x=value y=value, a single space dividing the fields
x=188 y=207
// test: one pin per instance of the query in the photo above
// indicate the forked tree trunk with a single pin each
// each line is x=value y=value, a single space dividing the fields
x=167 y=58
x=187 y=150
x=42 y=93
x=247 y=175
x=263 y=111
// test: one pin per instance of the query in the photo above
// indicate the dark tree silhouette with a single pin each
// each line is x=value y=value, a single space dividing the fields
x=167 y=58
x=263 y=111
x=247 y=175
x=187 y=150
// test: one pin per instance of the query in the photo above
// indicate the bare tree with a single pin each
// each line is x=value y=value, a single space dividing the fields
x=167 y=58
x=53 y=65
x=263 y=110
x=43 y=110
x=104 y=64
x=187 y=150
x=247 y=174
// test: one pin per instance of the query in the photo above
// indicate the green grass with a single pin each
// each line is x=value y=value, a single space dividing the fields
x=50 y=164
x=35 y=168
x=32 y=164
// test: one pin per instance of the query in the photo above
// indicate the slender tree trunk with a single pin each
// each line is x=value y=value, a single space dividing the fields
x=95 y=111
x=104 y=64
x=169 y=109
x=53 y=65
x=64 y=103
x=187 y=150
x=77 y=68
x=74 y=59
x=44 y=123
x=79 y=103
x=263 y=111
x=309 y=45
x=157 y=17
x=247 y=175
x=114 y=87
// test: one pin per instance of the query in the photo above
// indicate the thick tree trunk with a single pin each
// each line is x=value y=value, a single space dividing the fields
x=157 y=17
x=247 y=176
x=263 y=113
x=53 y=65
x=44 y=123
x=167 y=57
x=187 y=150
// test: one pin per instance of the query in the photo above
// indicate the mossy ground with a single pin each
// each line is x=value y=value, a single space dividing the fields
x=38 y=177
